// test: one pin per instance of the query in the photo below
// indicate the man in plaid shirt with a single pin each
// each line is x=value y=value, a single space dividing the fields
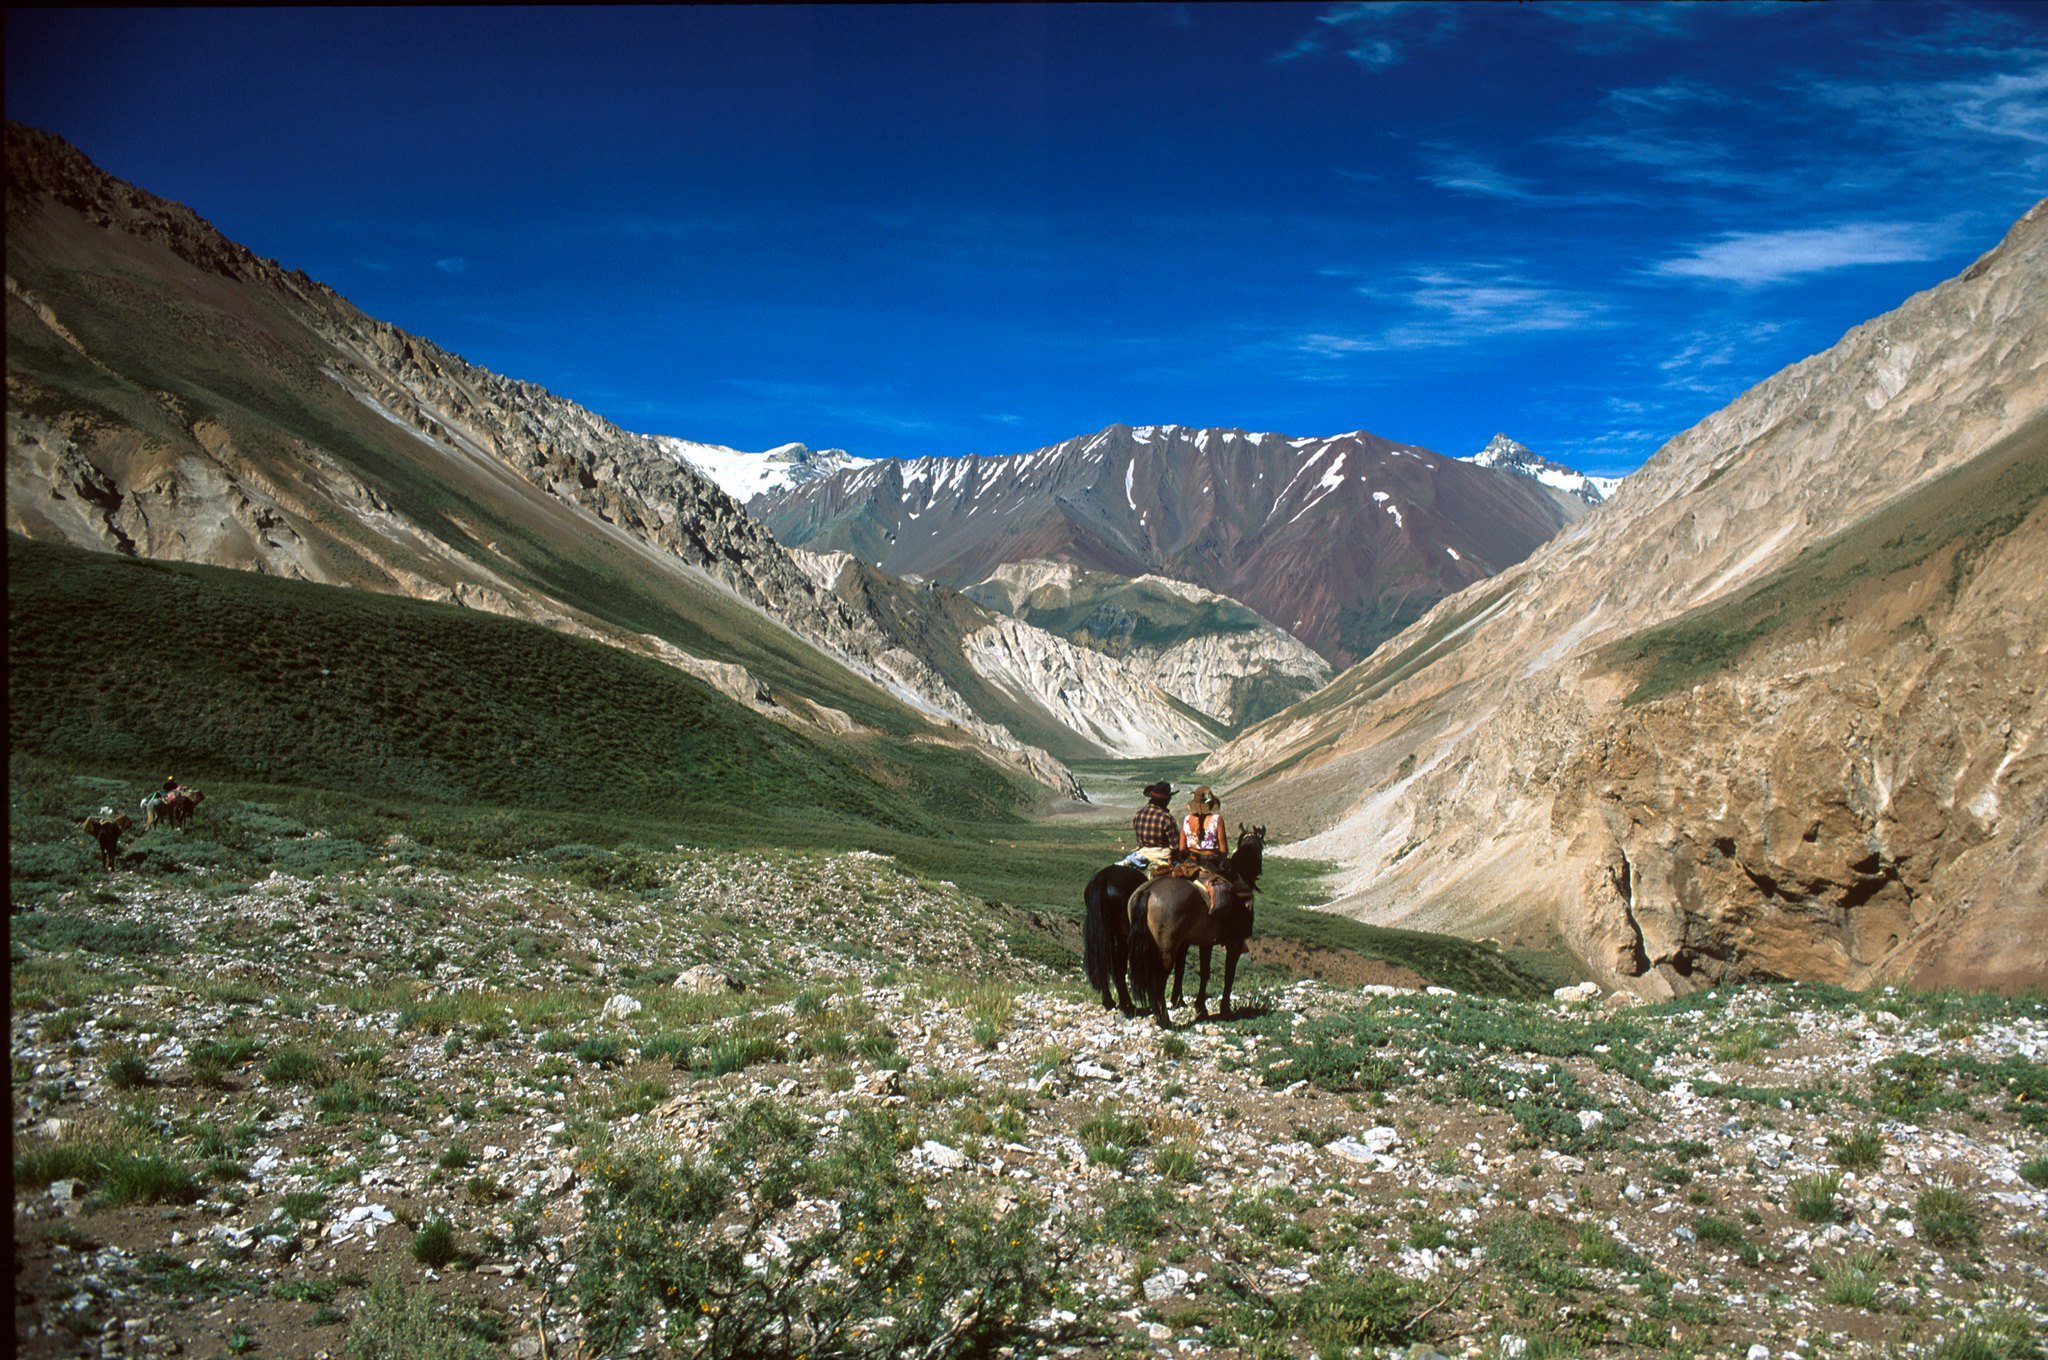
x=1157 y=831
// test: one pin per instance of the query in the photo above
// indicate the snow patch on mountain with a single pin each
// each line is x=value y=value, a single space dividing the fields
x=743 y=475
x=1509 y=456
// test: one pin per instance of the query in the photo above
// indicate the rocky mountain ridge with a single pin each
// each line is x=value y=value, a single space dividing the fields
x=1777 y=710
x=1339 y=540
x=171 y=394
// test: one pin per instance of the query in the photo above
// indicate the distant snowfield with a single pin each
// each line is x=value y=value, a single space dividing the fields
x=743 y=475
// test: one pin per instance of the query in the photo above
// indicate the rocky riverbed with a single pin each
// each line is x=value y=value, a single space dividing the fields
x=406 y=1109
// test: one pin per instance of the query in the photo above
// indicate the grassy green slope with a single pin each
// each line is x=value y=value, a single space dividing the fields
x=1966 y=510
x=234 y=353
x=230 y=675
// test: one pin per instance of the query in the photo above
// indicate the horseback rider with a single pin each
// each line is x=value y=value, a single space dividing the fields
x=1203 y=832
x=1159 y=838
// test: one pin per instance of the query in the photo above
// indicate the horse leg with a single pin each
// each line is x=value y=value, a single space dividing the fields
x=1120 y=969
x=1202 y=988
x=1179 y=968
x=1158 y=1000
x=1229 y=974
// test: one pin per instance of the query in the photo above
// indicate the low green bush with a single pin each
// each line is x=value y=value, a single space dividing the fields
x=1813 y=1198
x=679 y=1241
x=1944 y=1217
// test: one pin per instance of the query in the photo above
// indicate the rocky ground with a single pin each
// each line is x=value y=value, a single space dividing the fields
x=603 y=1104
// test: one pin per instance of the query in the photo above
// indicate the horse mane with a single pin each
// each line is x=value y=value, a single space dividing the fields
x=1248 y=861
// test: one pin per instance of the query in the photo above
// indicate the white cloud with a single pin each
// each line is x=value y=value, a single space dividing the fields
x=454 y=264
x=1760 y=257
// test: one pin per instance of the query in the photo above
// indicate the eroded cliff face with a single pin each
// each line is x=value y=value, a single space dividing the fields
x=1776 y=711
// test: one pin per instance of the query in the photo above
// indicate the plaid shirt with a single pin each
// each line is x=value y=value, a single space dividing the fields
x=1154 y=825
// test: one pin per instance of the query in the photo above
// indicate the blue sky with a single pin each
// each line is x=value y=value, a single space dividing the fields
x=941 y=229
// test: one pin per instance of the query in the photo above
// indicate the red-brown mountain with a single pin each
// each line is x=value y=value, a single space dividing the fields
x=1342 y=540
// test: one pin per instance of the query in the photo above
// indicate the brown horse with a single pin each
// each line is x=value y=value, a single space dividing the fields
x=1171 y=915
x=107 y=831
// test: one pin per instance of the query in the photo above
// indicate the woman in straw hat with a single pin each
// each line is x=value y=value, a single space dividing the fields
x=1202 y=830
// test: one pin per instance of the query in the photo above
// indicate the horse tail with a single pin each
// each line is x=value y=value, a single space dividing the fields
x=1148 y=964
x=1095 y=941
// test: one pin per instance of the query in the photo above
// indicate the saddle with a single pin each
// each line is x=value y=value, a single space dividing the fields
x=1204 y=878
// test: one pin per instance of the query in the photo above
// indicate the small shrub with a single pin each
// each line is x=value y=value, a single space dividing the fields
x=212 y=1061
x=304 y=1205
x=297 y=1065
x=455 y=1157
x=1177 y=1162
x=1862 y=1150
x=2035 y=1171
x=2000 y=1334
x=147 y=1178
x=637 y=1097
x=1341 y=1311
x=1944 y=1217
x=350 y=1095
x=433 y=1246
x=1109 y=1136
x=738 y=1054
x=396 y=1323
x=127 y=1070
x=1853 y=1282
x=669 y=1047
x=602 y=1051
x=1813 y=1198
x=670 y=1239
x=1722 y=1233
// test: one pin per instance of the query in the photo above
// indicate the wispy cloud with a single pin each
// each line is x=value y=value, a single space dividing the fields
x=1761 y=257
x=1375 y=35
x=1704 y=360
x=1444 y=307
x=1462 y=172
x=1612 y=27
x=1469 y=175
x=453 y=264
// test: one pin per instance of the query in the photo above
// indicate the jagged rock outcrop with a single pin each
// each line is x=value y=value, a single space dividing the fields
x=1205 y=650
x=1096 y=704
x=1777 y=710
x=171 y=394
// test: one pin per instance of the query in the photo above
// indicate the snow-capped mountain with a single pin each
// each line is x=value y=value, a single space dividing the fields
x=1509 y=456
x=1341 y=540
x=743 y=475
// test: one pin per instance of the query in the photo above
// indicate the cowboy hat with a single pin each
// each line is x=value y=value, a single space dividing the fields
x=1160 y=790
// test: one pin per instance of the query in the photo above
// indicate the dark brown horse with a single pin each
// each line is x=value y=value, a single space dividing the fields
x=1106 y=932
x=107 y=831
x=1171 y=915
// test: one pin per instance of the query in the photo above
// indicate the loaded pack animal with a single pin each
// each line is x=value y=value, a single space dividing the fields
x=1170 y=915
x=107 y=831
x=172 y=809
